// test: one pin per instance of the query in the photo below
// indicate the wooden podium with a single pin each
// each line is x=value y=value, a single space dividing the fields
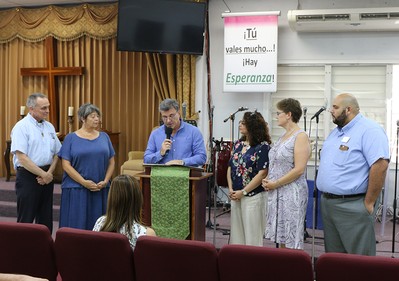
x=197 y=196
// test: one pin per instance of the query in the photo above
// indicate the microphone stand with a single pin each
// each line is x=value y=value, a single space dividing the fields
x=306 y=234
x=210 y=167
x=232 y=118
x=211 y=183
x=394 y=197
x=304 y=120
x=215 y=189
x=315 y=192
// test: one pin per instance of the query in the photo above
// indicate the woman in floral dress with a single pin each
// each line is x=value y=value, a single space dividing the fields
x=286 y=182
x=247 y=167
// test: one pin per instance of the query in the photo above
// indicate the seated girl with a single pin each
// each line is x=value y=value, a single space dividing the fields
x=124 y=207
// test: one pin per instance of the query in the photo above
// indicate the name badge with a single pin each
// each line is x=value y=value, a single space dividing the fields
x=343 y=147
x=345 y=139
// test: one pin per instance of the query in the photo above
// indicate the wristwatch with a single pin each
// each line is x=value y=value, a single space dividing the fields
x=244 y=192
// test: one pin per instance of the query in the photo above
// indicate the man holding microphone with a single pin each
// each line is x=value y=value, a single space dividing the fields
x=175 y=142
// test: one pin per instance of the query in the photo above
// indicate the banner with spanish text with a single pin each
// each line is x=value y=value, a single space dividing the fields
x=250 y=52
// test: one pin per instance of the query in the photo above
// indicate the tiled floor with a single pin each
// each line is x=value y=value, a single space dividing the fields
x=314 y=247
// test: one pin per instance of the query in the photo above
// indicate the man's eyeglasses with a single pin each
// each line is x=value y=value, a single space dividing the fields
x=171 y=117
x=279 y=112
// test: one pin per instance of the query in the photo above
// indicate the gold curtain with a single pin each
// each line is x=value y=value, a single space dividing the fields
x=117 y=82
x=63 y=23
x=185 y=77
x=127 y=86
x=163 y=72
x=174 y=77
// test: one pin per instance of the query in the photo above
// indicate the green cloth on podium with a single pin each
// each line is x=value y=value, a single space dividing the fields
x=170 y=202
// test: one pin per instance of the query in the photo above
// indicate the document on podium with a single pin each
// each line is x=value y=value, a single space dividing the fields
x=199 y=169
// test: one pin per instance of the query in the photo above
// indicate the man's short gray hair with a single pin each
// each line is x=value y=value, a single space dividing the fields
x=167 y=104
x=32 y=99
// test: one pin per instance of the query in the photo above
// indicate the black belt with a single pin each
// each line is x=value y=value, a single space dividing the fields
x=335 y=196
x=45 y=168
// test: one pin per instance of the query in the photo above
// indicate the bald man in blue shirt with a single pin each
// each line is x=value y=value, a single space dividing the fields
x=353 y=165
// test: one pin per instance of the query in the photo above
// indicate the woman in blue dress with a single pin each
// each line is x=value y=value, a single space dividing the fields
x=248 y=165
x=88 y=161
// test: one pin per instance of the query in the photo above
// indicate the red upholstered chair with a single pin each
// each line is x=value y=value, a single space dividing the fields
x=349 y=267
x=89 y=255
x=250 y=263
x=27 y=248
x=158 y=258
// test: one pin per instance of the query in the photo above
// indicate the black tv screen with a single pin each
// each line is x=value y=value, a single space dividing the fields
x=161 y=26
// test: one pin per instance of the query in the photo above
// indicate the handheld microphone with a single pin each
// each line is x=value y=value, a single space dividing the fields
x=242 y=108
x=318 y=112
x=168 y=132
x=305 y=109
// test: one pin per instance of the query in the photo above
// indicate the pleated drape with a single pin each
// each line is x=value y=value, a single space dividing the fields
x=126 y=86
x=119 y=83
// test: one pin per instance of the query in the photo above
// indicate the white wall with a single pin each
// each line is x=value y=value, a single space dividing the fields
x=293 y=48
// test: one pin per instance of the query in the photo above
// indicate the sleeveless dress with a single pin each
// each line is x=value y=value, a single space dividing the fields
x=286 y=204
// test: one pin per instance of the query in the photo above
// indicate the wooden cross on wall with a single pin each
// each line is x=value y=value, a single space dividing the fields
x=51 y=71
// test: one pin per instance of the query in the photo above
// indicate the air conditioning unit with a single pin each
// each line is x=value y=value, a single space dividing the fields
x=340 y=20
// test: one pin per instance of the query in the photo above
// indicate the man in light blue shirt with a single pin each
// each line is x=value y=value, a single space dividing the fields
x=182 y=145
x=35 y=145
x=353 y=164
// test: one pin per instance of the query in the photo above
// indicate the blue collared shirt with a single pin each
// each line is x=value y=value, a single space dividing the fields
x=347 y=155
x=37 y=140
x=187 y=145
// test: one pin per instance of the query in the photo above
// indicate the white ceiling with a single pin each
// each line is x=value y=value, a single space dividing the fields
x=28 y=3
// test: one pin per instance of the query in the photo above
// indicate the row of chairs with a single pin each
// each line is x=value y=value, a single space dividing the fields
x=86 y=255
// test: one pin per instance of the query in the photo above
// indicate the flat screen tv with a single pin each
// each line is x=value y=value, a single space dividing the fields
x=161 y=26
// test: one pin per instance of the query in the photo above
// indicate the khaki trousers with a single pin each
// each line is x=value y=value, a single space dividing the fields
x=248 y=220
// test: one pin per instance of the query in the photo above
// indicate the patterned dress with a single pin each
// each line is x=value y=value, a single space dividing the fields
x=137 y=231
x=286 y=204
